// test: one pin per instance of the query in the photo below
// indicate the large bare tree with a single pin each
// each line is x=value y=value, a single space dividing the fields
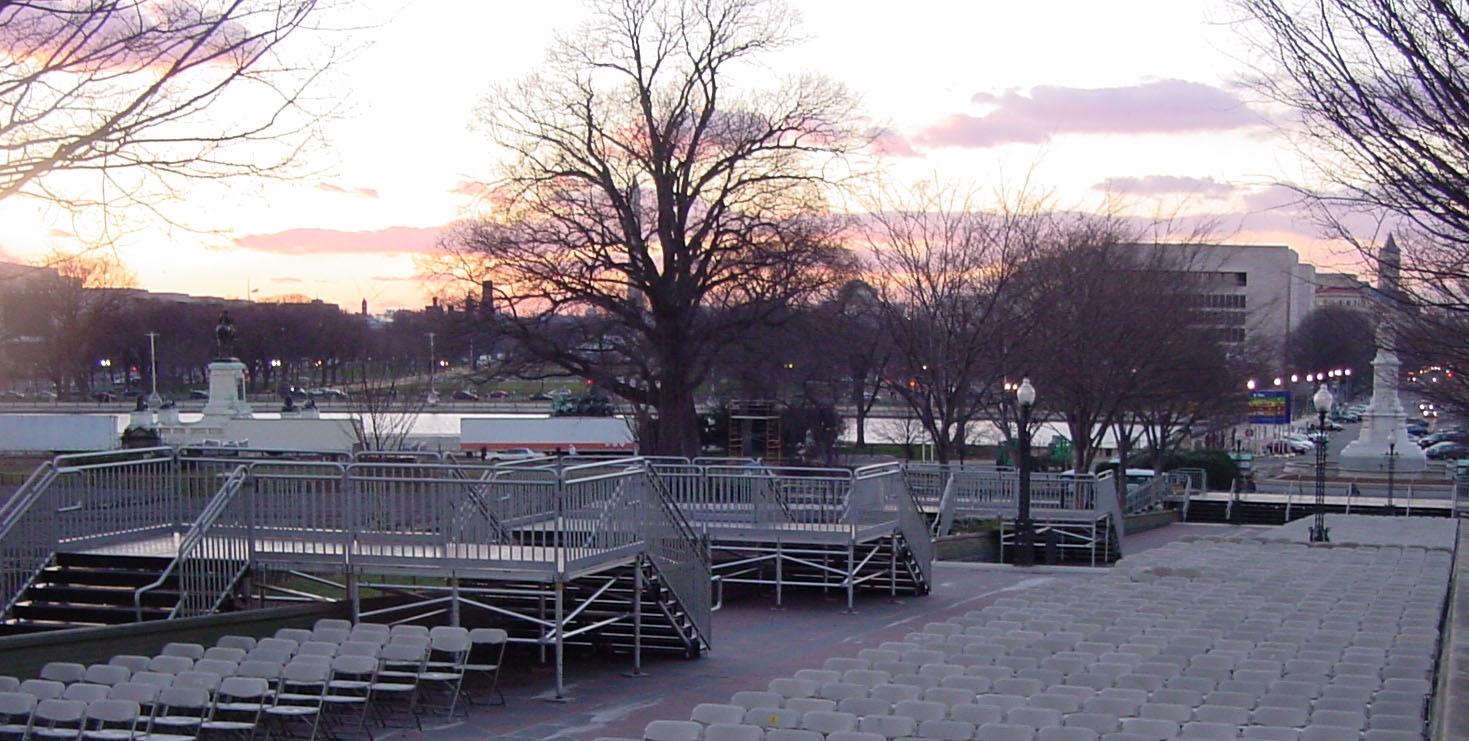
x=650 y=211
x=107 y=102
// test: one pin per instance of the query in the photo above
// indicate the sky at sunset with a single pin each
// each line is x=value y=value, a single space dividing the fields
x=1134 y=98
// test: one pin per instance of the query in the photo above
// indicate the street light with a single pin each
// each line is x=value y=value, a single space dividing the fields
x=1323 y=401
x=1392 y=465
x=154 y=400
x=1250 y=384
x=1024 y=528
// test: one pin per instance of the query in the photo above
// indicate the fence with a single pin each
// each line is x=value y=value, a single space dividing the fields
x=212 y=556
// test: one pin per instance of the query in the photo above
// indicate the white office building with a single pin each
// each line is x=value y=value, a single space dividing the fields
x=1256 y=294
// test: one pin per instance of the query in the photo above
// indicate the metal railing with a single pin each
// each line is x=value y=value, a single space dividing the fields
x=212 y=556
x=27 y=535
x=882 y=491
x=1151 y=495
x=675 y=550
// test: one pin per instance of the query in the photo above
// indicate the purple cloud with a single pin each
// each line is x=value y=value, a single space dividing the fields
x=1161 y=106
x=1152 y=185
x=392 y=240
x=360 y=192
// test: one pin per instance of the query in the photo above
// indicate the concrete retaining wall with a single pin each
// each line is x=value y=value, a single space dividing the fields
x=1141 y=523
x=23 y=655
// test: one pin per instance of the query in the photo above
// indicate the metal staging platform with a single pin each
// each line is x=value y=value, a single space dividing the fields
x=625 y=554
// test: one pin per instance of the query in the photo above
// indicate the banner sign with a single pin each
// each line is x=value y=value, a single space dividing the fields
x=1270 y=407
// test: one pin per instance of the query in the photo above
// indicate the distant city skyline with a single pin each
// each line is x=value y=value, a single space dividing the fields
x=1145 y=105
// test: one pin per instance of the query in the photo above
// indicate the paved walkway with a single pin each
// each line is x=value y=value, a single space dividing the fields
x=754 y=643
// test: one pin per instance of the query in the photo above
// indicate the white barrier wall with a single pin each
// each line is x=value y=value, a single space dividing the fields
x=60 y=433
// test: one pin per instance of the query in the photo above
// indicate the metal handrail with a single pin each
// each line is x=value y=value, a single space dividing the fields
x=194 y=541
x=20 y=559
x=675 y=551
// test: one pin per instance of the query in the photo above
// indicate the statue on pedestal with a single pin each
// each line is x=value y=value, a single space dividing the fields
x=224 y=337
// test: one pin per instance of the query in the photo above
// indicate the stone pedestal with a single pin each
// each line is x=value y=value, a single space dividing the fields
x=226 y=390
x=1382 y=425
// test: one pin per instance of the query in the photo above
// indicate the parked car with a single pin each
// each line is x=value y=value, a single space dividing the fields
x=499 y=394
x=540 y=397
x=12 y=396
x=199 y=394
x=465 y=395
x=1442 y=436
x=104 y=396
x=1447 y=450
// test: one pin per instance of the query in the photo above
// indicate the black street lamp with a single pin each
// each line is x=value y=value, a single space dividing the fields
x=1323 y=401
x=1392 y=461
x=1024 y=527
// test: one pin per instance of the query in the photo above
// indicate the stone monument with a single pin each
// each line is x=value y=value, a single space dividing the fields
x=1382 y=423
x=226 y=375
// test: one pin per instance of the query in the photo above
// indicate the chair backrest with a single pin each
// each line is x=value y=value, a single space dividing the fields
x=113 y=711
x=317 y=648
x=371 y=636
x=401 y=654
x=268 y=654
x=278 y=644
x=330 y=635
x=53 y=711
x=86 y=692
x=420 y=641
x=259 y=670
x=298 y=635
x=42 y=689
x=64 y=672
x=355 y=666
x=170 y=664
x=298 y=672
x=132 y=662
x=226 y=653
x=216 y=666
x=487 y=636
x=450 y=642
x=243 y=688
x=157 y=679
x=171 y=700
x=9 y=684
x=332 y=624
x=142 y=693
x=203 y=680
x=359 y=648
x=408 y=630
x=310 y=659
x=13 y=704
x=190 y=650
x=241 y=642
x=107 y=674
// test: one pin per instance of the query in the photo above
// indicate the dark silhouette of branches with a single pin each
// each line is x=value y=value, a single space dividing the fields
x=113 y=102
x=652 y=201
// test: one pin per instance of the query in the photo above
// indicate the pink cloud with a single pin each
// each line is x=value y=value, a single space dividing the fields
x=1161 y=106
x=889 y=143
x=470 y=188
x=1164 y=185
x=334 y=188
x=392 y=240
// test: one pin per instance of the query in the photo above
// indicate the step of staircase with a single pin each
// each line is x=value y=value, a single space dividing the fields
x=79 y=590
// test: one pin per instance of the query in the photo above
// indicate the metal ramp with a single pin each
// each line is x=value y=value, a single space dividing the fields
x=838 y=530
x=472 y=537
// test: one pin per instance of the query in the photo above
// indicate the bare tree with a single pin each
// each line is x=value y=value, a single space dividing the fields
x=381 y=409
x=656 y=205
x=125 y=97
x=1381 y=89
x=946 y=272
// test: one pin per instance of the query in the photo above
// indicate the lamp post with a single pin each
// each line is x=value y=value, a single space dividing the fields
x=1024 y=527
x=154 y=400
x=1322 y=400
x=1392 y=461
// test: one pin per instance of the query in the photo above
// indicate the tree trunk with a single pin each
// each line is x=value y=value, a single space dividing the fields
x=676 y=431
